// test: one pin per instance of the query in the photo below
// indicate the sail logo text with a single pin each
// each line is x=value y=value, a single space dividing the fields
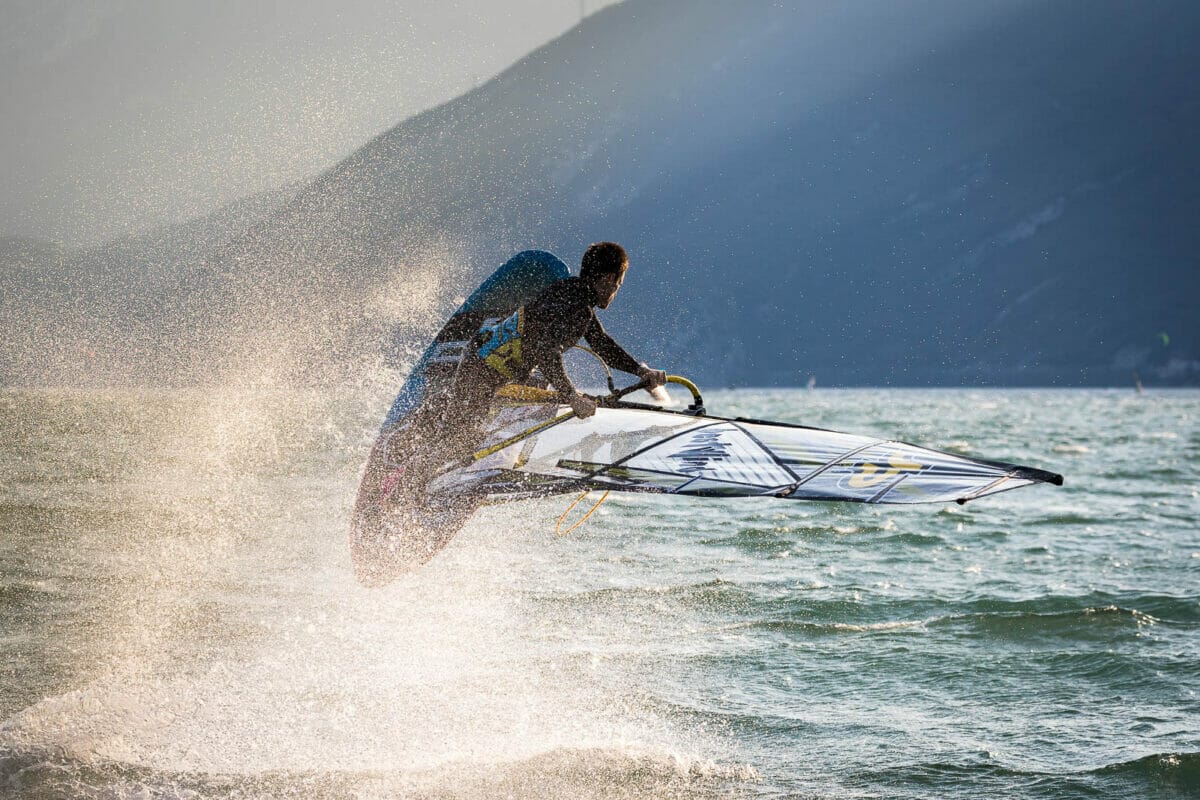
x=704 y=449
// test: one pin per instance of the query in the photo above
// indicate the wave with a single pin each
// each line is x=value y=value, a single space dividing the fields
x=1085 y=624
x=773 y=603
x=829 y=628
x=1159 y=771
x=1071 y=449
x=567 y=773
x=1093 y=622
x=718 y=592
x=1065 y=518
x=914 y=539
x=1166 y=775
x=1153 y=607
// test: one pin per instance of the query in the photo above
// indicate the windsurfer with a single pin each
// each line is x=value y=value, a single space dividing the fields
x=534 y=336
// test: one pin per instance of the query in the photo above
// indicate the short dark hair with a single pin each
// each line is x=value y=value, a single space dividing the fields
x=604 y=257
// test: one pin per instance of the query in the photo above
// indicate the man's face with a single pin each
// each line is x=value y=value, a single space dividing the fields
x=607 y=285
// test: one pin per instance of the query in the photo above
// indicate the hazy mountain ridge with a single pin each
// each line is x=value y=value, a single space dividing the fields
x=867 y=192
x=114 y=313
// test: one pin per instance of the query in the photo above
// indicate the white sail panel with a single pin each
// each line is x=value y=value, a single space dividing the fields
x=630 y=449
x=721 y=452
x=608 y=437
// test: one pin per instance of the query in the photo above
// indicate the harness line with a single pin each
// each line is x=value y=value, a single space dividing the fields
x=558 y=525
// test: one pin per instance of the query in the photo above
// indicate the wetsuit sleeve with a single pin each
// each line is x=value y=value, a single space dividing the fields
x=606 y=347
x=554 y=321
x=551 y=365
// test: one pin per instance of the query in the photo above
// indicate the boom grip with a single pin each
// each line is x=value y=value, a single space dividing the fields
x=697 y=400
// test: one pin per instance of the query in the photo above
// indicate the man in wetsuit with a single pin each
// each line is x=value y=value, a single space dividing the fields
x=537 y=334
x=532 y=337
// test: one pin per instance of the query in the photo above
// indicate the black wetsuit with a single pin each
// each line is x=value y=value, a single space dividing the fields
x=447 y=428
x=555 y=320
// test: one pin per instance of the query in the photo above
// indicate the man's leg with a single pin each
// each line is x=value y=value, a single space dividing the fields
x=468 y=406
x=447 y=427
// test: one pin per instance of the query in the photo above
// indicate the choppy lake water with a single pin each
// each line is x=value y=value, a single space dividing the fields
x=178 y=617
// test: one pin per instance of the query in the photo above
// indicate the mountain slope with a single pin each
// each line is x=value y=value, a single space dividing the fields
x=931 y=192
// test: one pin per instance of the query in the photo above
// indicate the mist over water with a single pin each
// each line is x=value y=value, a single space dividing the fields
x=179 y=617
x=178 y=585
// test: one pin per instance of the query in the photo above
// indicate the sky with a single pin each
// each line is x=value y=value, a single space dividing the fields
x=117 y=116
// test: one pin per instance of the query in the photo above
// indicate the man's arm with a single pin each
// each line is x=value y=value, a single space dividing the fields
x=606 y=347
x=550 y=362
x=615 y=356
x=551 y=365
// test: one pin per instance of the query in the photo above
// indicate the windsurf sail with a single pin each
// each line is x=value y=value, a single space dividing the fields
x=536 y=449
x=533 y=446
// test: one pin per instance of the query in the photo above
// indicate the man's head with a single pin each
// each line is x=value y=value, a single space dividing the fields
x=603 y=267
